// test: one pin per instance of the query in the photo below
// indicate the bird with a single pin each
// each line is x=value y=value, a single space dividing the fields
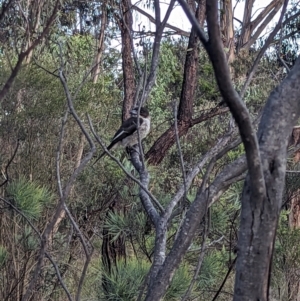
x=127 y=135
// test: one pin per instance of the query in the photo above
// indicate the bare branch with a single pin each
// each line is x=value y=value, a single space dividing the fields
x=152 y=19
x=253 y=69
x=156 y=47
x=264 y=24
x=186 y=233
x=192 y=174
x=64 y=192
x=207 y=114
x=224 y=280
x=272 y=7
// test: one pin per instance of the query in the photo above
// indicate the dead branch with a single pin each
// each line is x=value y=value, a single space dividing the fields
x=64 y=192
x=269 y=40
x=152 y=19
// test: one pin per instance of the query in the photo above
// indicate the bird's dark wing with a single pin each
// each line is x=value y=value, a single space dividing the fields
x=128 y=127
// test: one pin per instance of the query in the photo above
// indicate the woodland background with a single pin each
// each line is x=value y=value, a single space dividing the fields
x=70 y=72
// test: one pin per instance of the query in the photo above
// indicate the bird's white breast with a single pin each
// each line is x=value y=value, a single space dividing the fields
x=144 y=130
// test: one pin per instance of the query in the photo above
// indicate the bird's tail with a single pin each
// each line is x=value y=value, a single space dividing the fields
x=110 y=147
x=102 y=155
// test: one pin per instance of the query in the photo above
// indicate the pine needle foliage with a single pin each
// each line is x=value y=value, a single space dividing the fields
x=29 y=197
x=125 y=280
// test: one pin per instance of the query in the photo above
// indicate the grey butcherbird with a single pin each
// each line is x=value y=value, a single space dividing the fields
x=127 y=134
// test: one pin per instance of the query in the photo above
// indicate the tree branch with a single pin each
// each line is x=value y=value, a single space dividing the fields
x=264 y=24
x=156 y=47
x=150 y=209
x=152 y=19
x=23 y=54
x=238 y=109
x=269 y=40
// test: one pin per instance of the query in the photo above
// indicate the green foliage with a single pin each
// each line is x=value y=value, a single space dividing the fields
x=213 y=269
x=286 y=262
x=31 y=112
x=117 y=225
x=180 y=283
x=29 y=197
x=207 y=86
x=125 y=280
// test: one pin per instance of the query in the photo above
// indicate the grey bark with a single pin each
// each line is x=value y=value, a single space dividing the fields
x=259 y=216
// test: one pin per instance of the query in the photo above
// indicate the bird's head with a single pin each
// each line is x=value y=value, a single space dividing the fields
x=143 y=112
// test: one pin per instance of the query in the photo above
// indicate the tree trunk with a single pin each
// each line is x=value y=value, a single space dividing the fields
x=227 y=29
x=246 y=28
x=259 y=215
x=125 y=23
x=185 y=112
x=112 y=250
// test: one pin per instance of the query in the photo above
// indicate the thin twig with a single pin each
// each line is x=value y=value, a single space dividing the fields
x=58 y=153
x=46 y=70
x=224 y=281
x=8 y=164
x=64 y=193
x=200 y=260
x=278 y=52
x=179 y=151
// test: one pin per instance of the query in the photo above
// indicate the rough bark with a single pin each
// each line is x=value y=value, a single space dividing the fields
x=185 y=111
x=160 y=148
x=127 y=60
x=227 y=29
x=259 y=216
x=112 y=250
